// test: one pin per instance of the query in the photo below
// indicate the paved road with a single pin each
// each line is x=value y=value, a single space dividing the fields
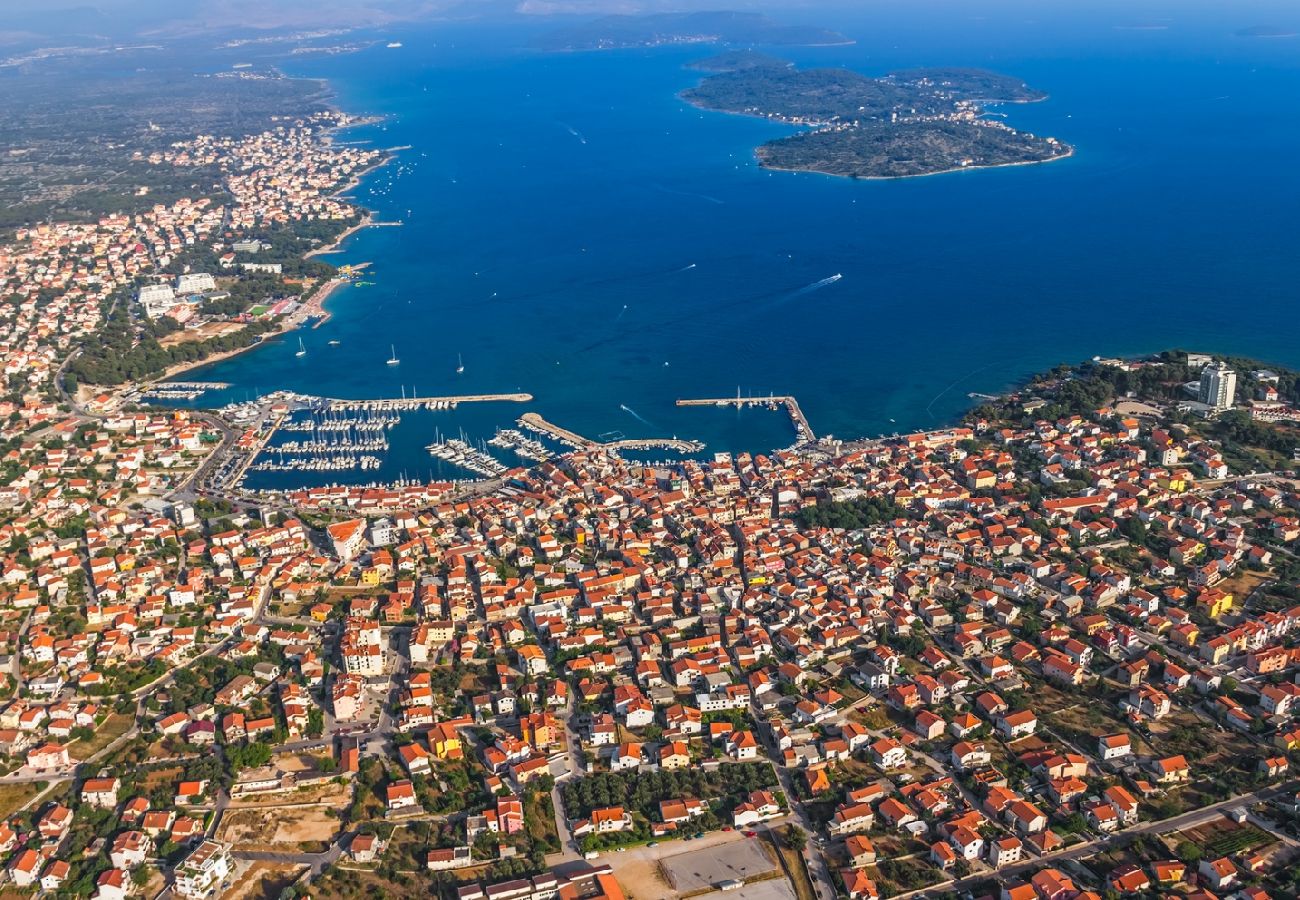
x=1088 y=848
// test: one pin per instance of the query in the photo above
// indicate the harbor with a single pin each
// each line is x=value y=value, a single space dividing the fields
x=538 y=425
x=460 y=452
x=803 y=431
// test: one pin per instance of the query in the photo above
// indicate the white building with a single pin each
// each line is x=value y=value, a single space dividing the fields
x=195 y=283
x=157 y=299
x=1218 y=385
x=203 y=870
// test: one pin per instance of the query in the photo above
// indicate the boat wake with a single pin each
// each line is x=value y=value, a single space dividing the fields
x=634 y=414
x=575 y=132
x=816 y=286
x=684 y=269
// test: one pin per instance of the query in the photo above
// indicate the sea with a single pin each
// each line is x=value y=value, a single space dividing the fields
x=572 y=229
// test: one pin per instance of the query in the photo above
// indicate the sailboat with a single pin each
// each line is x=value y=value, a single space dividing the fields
x=302 y=351
x=460 y=365
x=393 y=360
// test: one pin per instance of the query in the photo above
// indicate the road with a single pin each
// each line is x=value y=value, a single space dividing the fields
x=1088 y=848
x=569 y=851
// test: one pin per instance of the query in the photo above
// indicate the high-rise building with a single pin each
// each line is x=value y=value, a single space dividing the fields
x=1218 y=385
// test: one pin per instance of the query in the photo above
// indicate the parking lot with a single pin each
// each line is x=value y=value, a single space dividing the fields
x=706 y=868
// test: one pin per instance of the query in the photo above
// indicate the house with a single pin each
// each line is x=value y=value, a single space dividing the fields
x=1128 y=879
x=400 y=795
x=966 y=842
x=112 y=884
x=130 y=849
x=860 y=850
x=858 y=885
x=1114 y=746
x=101 y=792
x=1005 y=851
x=365 y=848
x=48 y=756
x=203 y=870
x=1220 y=874
x=759 y=805
x=851 y=818
x=606 y=820
x=677 y=811
x=1170 y=769
x=1017 y=724
x=25 y=868
x=887 y=753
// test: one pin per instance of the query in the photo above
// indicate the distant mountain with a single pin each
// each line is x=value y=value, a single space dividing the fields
x=616 y=32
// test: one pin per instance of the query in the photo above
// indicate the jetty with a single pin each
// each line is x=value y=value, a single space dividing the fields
x=535 y=423
x=414 y=403
x=802 y=429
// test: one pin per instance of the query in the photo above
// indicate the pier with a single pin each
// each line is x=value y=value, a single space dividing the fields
x=412 y=403
x=802 y=429
x=534 y=422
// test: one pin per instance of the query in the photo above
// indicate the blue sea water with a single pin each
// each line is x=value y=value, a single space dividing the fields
x=574 y=230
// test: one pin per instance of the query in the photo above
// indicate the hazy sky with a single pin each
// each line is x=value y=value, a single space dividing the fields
x=29 y=20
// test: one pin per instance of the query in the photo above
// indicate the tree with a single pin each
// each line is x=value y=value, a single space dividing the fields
x=1188 y=852
x=796 y=838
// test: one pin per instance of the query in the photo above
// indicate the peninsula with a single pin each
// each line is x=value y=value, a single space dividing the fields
x=907 y=123
x=624 y=31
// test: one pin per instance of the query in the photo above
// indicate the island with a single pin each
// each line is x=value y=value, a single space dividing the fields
x=906 y=123
x=628 y=31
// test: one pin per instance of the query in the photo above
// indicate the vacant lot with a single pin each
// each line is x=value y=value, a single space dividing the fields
x=252 y=829
x=15 y=795
x=264 y=881
x=202 y=333
x=690 y=872
x=112 y=728
x=336 y=796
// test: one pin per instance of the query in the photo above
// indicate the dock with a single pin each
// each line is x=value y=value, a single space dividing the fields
x=802 y=429
x=408 y=403
x=535 y=423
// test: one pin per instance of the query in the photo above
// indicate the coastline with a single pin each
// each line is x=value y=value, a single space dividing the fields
x=314 y=305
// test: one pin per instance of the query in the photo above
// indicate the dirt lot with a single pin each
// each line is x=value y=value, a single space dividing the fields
x=202 y=333
x=264 y=881
x=327 y=793
x=253 y=829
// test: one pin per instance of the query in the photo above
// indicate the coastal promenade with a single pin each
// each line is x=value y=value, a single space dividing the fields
x=802 y=429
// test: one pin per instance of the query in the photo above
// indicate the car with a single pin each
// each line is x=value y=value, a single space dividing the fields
x=620 y=850
x=727 y=828
x=699 y=834
x=751 y=834
x=653 y=844
x=688 y=838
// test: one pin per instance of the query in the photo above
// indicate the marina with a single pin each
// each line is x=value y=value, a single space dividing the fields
x=337 y=463
x=803 y=431
x=521 y=444
x=459 y=452
x=538 y=425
